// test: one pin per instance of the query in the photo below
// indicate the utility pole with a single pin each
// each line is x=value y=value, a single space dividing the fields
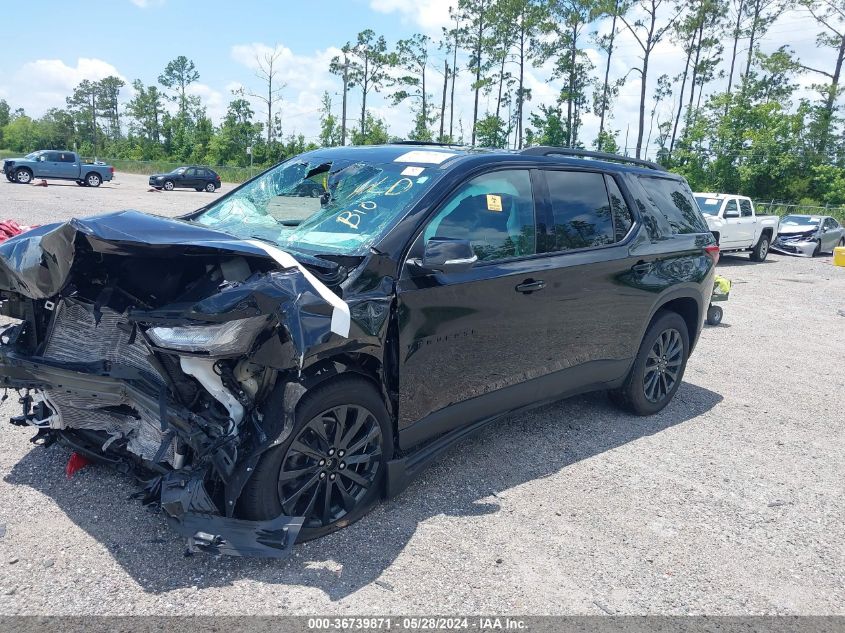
x=345 y=92
x=443 y=104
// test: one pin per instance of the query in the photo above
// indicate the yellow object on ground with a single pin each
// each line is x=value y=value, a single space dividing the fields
x=839 y=256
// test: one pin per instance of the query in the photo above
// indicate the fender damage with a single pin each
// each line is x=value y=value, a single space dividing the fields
x=172 y=351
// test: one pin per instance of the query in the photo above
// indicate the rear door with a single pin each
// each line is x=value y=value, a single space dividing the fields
x=591 y=316
x=470 y=340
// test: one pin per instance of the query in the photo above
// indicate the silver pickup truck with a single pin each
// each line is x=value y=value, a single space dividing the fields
x=736 y=224
x=56 y=165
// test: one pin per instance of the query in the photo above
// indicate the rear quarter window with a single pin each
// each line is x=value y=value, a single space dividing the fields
x=674 y=200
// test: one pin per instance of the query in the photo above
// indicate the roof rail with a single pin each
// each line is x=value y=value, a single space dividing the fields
x=544 y=150
x=432 y=143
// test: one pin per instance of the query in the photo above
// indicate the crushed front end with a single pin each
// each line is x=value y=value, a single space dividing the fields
x=803 y=244
x=171 y=356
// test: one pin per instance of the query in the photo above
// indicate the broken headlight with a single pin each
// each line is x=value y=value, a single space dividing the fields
x=217 y=339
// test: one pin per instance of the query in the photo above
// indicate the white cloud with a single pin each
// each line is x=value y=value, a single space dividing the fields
x=430 y=15
x=145 y=4
x=45 y=83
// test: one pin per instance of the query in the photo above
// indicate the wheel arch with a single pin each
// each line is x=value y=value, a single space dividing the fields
x=688 y=307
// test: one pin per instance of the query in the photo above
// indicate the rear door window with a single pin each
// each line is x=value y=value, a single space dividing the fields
x=581 y=211
x=674 y=200
x=745 y=208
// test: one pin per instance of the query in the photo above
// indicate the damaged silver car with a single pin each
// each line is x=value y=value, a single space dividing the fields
x=808 y=235
x=271 y=365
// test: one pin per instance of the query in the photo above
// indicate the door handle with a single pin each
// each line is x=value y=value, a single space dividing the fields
x=529 y=285
x=641 y=268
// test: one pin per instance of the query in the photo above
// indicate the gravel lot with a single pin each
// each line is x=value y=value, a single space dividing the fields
x=730 y=501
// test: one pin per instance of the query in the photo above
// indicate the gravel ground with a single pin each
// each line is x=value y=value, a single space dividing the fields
x=730 y=501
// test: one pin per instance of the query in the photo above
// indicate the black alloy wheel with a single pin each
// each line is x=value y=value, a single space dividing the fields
x=658 y=368
x=663 y=365
x=331 y=465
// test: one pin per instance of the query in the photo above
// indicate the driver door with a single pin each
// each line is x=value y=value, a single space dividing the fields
x=469 y=340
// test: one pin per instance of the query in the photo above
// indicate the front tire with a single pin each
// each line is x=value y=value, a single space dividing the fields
x=23 y=176
x=658 y=368
x=168 y=185
x=331 y=469
x=761 y=250
x=818 y=249
x=93 y=180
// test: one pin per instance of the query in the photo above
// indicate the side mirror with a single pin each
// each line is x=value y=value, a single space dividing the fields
x=731 y=214
x=448 y=255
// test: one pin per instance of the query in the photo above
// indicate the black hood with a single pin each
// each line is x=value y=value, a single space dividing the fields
x=37 y=263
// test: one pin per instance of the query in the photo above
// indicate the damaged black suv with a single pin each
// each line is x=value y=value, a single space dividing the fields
x=272 y=364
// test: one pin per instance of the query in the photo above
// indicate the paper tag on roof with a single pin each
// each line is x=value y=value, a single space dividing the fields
x=423 y=156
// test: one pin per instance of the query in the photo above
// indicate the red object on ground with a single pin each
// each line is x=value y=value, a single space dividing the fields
x=76 y=463
x=10 y=228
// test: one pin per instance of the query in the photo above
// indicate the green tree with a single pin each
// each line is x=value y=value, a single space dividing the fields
x=146 y=110
x=83 y=106
x=568 y=21
x=412 y=61
x=370 y=69
x=830 y=14
x=330 y=133
x=547 y=127
x=602 y=100
x=477 y=23
x=647 y=35
x=108 y=104
x=492 y=132
x=374 y=132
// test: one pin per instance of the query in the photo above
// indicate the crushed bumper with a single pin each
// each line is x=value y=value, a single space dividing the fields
x=181 y=494
x=801 y=248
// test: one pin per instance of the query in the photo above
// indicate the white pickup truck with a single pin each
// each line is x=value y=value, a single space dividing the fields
x=736 y=225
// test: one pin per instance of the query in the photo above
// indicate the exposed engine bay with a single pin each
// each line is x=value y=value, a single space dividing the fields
x=174 y=353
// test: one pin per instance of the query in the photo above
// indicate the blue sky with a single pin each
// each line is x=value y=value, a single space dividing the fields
x=57 y=43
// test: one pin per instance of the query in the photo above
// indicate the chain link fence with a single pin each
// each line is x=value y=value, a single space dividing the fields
x=774 y=207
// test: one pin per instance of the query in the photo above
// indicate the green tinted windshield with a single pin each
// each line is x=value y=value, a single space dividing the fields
x=321 y=204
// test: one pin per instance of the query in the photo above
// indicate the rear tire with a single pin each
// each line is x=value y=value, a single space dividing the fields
x=93 y=180
x=658 y=368
x=297 y=477
x=761 y=250
x=81 y=183
x=210 y=188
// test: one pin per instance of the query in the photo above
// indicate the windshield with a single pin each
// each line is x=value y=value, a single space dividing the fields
x=32 y=155
x=709 y=206
x=320 y=204
x=800 y=220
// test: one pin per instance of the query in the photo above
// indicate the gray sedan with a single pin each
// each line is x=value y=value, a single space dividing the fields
x=808 y=235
